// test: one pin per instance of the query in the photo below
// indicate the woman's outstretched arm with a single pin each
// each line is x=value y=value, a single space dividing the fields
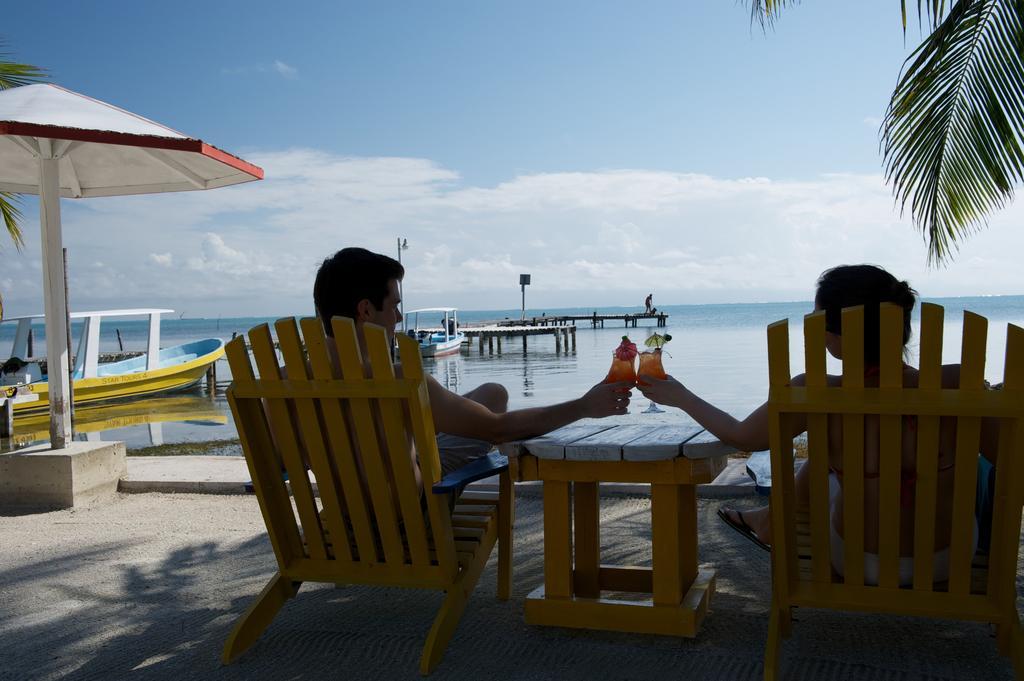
x=749 y=434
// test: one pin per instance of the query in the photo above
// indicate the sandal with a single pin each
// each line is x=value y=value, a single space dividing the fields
x=743 y=528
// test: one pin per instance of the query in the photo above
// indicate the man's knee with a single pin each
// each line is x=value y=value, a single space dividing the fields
x=494 y=396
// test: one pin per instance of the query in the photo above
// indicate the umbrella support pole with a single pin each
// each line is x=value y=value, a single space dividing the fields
x=56 y=305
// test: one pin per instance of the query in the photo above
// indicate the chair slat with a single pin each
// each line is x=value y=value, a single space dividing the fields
x=817 y=450
x=890 y=452
x=412 y=369
x=345 y=463
x=317 y=389
x=780 y=439
x=853 y=449
x=927 y=461
x=968 y=439
x=261 y=459
x=365 y=427
x=426 y=448
x=313 y=438
x=1009 y=488
x=398 y=448
x=778 y=338
x=283 y=427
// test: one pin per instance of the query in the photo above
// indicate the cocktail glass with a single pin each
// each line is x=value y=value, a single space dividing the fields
x=650 y=365
x=621 y=370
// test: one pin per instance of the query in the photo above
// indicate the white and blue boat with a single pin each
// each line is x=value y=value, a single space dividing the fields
x=436 y=340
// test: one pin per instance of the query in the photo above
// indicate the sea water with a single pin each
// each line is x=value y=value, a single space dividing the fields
x=718 y=351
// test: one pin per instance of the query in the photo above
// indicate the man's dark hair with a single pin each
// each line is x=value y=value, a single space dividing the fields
x=349 y=276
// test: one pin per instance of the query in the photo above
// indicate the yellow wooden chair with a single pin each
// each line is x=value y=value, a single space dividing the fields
x=802 y=573
x=356 y=533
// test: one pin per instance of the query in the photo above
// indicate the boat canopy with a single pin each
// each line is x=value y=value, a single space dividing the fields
x=99 y=313
x=433 y=309
x=88 y=352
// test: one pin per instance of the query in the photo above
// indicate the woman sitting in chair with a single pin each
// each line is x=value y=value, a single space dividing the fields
x=840 y=287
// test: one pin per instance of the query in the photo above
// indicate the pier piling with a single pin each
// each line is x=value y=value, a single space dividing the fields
x=7 y=419
x=564 y=334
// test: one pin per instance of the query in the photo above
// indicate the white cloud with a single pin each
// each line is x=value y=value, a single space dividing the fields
x=216 y=256
x=285 y=70
x=873 y=122
x=277 y=67
x=588 y=238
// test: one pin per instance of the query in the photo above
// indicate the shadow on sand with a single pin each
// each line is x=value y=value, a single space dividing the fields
x=160 y=606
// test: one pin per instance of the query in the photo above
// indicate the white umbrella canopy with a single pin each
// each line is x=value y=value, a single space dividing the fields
x=54 y=143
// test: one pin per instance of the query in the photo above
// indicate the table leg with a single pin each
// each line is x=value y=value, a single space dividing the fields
x=587 y=539
x=557 y=540
x=679 y=592
x=674 y=541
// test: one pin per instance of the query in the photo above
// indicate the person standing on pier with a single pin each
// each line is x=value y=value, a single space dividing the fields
x=649 y=303
x=363 y=286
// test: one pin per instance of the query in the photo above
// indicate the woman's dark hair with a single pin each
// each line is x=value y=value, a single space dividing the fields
x=350 y=276
x=867 y=285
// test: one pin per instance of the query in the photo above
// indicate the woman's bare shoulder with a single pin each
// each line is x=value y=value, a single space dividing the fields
x=950 y=375
x=800 y=380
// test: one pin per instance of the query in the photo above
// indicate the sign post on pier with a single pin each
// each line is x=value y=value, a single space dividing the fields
x=524 y=281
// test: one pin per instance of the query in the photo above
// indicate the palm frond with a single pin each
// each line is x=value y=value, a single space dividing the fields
x=12 y=214
x=932 y=11
x=13 y=74
x=765 y=12
x=953 y=131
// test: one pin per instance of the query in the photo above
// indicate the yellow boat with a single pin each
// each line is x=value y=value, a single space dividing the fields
x=155 y=371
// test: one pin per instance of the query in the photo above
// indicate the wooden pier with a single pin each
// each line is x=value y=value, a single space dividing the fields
x=565 y=335
x=629 y=319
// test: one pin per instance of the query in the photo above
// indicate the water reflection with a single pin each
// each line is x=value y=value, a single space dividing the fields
x=539 y=371
x=138 y=423
x=527 y=380
x=447 y=371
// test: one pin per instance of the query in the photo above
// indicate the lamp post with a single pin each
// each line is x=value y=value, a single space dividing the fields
x=403 y=245
x=524 y=281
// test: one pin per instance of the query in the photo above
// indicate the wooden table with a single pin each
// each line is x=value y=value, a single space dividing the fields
x=571 y=462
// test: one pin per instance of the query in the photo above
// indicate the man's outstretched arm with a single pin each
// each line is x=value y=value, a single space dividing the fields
x=456 y=415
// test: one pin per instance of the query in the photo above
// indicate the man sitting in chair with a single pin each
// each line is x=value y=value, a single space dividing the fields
x=363 y=286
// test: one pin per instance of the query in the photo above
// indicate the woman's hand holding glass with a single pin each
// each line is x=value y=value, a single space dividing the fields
x=667 y=391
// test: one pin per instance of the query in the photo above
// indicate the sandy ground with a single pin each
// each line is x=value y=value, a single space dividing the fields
x=149 y=585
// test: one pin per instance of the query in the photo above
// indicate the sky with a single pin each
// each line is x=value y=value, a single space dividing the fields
x=609 y=149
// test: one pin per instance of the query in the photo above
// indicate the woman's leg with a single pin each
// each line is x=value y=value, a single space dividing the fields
x=759 y=519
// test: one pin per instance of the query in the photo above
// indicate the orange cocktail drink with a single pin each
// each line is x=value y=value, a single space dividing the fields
x=623 y=359
x=621 y=370
x=650 y=365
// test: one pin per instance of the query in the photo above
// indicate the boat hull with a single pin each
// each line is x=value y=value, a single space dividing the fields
x=440 y=349
x=121 y=386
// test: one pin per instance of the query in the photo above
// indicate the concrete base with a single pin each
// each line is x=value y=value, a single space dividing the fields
x=38 y=478
x=189 y=474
